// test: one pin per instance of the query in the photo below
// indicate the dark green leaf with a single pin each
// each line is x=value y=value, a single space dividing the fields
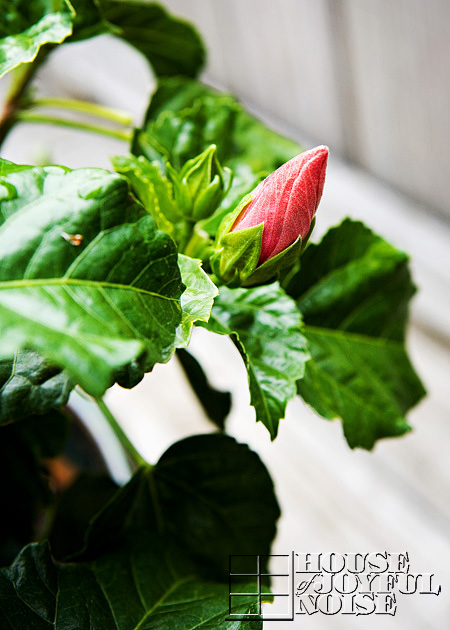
x=145 y=584
x=74 y=510
x=266 y=326
x=353 y=290
x=208 y=492
x=171 y=45
x=24 y=491
x=185 y=117
x=29 y=385
x=151 y=550
x=85 y=277
x=26 y=26
x=88 y=21
x=217 y=404
x=238 y=135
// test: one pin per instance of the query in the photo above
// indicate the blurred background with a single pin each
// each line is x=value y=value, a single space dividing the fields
x=370 y=80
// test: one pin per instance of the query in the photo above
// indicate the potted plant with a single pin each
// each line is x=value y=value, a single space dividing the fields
x=203 y=221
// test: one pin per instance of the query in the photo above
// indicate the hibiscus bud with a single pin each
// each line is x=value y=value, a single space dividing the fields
x=200 y=185
x=272 y=224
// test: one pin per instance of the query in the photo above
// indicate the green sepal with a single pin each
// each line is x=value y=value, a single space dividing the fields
x=237 y=255
x=270 y=269
x=229 y=219
x=307 y=237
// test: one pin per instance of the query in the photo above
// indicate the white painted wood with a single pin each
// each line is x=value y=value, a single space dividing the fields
x=370 y=79
x=399 y=63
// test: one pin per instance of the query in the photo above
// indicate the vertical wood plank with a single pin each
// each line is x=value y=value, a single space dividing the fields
x=368 y=78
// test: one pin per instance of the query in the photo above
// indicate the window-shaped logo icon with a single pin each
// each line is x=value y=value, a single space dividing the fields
x=259 y=593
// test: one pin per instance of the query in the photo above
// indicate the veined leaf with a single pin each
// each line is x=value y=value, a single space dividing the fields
x=353 y=290
x=157 y=555
x=172 y=46
x=149 y=583
x=266 y=326
x=85 y=276
x=29 y=385
x=197 y=299
x=155 y=193
x=207 y=492
x=26 y=26
x=152 y=189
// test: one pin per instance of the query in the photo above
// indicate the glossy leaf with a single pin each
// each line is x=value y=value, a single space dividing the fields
x=266 y=326
x=172 y=46
x=152 y=188
x=29 y=385
x=211 y=494
x=86 y=278
x=185 y=117
x=155 y=552
x=26 y=26
x=353 y=290
x=146 y=584
x=197 y=298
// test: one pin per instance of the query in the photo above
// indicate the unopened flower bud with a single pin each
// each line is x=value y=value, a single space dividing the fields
x=200 y=185
x=272 y=224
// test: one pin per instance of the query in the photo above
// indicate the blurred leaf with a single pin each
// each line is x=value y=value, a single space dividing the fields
x=24 y=491
x=171 y=45
x=217 y=404
x=266 y=326
x=353 y=289
x=26 y=26
x=74 y=510
x=29 y=385
x=86 y=278
x=88 y=21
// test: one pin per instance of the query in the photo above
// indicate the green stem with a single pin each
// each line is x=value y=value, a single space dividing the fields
x=135 y=457
x=22 y=78
x=93 y=109
x=186 y=236
x=198 y=244
x=121 y=134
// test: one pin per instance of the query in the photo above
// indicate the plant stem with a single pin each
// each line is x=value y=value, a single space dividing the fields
x=184 y=239
x=121 y=134
x=23 y=75
x=93 y=109
x=135 y=457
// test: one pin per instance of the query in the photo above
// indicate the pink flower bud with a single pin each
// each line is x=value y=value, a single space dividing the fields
x=286 y=202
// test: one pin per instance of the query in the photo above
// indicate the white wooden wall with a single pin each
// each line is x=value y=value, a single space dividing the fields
x=370 y=78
